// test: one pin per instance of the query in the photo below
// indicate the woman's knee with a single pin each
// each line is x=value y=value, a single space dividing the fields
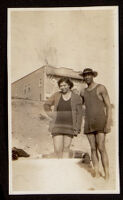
x=67 y=142
x=58 y=143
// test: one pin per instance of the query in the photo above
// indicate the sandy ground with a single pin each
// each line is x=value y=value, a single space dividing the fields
x=37 y=175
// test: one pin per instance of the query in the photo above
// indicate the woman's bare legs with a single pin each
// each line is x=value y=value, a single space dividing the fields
x=58 y=145
x=66 y=146
x=62 y=145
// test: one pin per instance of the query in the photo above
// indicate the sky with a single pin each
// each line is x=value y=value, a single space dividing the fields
x=76 y=39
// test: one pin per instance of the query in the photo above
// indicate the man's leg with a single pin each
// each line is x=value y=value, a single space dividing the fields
x=100 y=139
x=58 y=145
x=67 y=143
x=94 y=157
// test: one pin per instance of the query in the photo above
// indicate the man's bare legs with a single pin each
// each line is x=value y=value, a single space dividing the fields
x=100 y=139
x=94 y=155
x=97 y=142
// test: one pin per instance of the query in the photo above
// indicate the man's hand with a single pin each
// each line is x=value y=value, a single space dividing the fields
x=107 y=128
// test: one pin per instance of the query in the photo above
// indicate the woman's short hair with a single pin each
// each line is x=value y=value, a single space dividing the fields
x=66 y=80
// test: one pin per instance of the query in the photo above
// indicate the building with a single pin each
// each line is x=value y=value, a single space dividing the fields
x=42 y=83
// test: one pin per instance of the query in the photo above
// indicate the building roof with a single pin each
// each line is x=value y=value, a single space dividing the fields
x=62 y=71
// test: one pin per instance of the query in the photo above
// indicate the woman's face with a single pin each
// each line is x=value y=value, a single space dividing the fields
x=64 y=87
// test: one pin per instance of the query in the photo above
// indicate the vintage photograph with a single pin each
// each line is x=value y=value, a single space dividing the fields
x=63 y=93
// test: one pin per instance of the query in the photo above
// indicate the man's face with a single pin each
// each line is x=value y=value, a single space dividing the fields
x=88 y=77
x=64 y=87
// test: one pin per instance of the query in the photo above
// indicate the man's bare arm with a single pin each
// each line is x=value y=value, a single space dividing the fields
x=106 y=99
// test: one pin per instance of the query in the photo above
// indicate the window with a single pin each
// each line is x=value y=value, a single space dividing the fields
x=40 y=82
x=29 y=88
x=25 y=89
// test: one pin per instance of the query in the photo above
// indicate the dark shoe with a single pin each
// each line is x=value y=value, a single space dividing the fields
x=20 y=152
x=86 y=158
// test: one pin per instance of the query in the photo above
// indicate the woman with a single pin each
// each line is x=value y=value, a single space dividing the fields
x=66 y=117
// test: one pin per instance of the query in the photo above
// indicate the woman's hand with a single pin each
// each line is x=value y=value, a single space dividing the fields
x=50 y=115
x=76 y=132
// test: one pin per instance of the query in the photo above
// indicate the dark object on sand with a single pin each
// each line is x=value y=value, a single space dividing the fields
x=14 y=155
x=18 y=153
x=85 y=156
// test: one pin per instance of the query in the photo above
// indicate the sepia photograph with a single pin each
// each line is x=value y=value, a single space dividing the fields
x=63 y=73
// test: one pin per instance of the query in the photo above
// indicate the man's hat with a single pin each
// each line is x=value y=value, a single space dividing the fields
x=90 y=71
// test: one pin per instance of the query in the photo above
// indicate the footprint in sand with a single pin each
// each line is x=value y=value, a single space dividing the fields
x=91 y=188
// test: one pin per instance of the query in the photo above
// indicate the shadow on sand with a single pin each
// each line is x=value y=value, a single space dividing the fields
x=87 y=167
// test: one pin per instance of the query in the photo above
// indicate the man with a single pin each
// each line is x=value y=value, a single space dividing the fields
x=97 y=119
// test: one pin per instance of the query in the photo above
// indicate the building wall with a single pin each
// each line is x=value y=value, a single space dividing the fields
x=51 y=85
x=40 y=85
x=30 y=87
